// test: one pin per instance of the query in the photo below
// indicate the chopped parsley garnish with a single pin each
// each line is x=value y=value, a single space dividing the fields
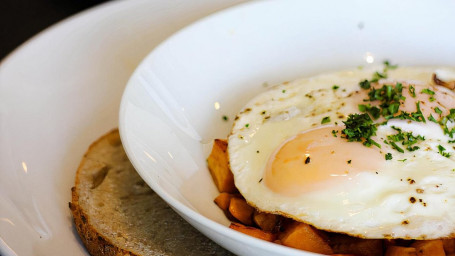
x=247 y=125
x=225 y=118
x=444 y=120
x=441 y=151
x=438 y=110
x=431 y=118
x=283 y=91
x=412 y=91
x=396 y=147
x=415 y=116
x=388 y=156
x=375 y=112
x=360 y=127
x=365 y=84
x=349 y=161
x=389 y=66
x=325 y=120
x=389 y=96
x=335 y=87
x=407 y=139
x=386 y=101
x=427 y=91
x=378 y=76
x=403 y=160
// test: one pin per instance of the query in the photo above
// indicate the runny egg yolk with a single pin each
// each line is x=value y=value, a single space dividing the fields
x=314 y=159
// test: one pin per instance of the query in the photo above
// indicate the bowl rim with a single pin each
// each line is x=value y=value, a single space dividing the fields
x=175 y=204
x=179 y=207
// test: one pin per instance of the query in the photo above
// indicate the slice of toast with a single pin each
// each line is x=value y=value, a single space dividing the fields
x=116 y=213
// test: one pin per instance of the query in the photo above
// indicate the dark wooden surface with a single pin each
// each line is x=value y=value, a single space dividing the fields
x=22 y=19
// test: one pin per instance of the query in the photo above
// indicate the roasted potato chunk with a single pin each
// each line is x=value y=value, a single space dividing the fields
x=400 y=251
x=305 y=237
x=242 y=211
x=265 y=221
x=449 y=245
x=218 y=163
x=345 y=244
x=255 y=232
x=223 y=200
x=429 y=248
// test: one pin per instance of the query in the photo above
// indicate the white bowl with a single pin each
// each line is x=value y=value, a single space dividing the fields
x=173 y=105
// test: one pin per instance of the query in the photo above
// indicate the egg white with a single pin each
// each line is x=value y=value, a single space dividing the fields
x=367 y=204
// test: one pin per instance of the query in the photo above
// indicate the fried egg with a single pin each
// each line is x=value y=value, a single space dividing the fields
x=289 y=156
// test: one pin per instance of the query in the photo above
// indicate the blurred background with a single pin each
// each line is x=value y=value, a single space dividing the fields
x=22 y=19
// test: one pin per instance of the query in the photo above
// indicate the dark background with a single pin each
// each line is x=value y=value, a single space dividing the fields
x=22 y=19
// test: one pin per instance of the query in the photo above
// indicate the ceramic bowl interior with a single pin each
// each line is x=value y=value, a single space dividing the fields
x=174 y=104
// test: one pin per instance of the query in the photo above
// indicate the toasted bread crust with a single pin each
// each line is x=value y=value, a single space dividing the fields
x=116 y=213
x=95 y=242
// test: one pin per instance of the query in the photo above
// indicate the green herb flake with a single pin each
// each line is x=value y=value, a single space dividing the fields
x=283 y=91
x=374 y=111
x=415 y=116
x=388 y=156
x=247 y=125
x=442 y=151
x=389 y=66
x=378 y=76
x=365 y=84
x=360 y=127
x=396 y=147
x=390 y=97
x=335 y=87
x=403 y=160
x=325 y=120
x=349 y=161
x=406 y=138
x=334 y=133
x=438 y=111
x=225 y=118
x=431 y=118
x=427 y=91
x=412 y=91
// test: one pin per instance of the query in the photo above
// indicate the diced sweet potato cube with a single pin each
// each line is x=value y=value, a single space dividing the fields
x=223 y=200
x=361 y=247
x=400 y=251
x=255 y=232
x=429 y=248
x=242 y=211
x=449 y=245
x=218 y=163
x=265 y=221
x=303 y=236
